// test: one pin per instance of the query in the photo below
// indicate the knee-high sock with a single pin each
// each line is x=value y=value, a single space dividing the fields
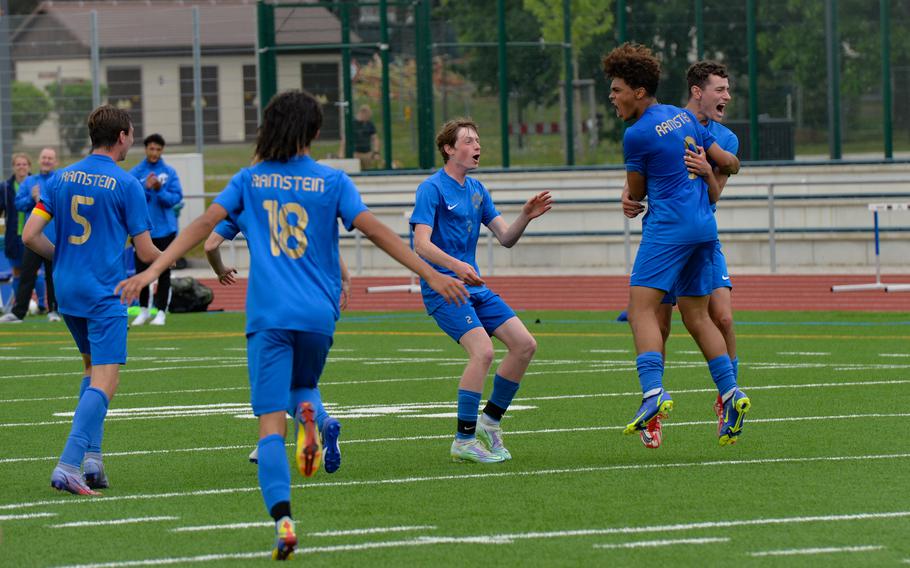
x=95 y=437
x=650 y=371
x=503 y=392
x=274 y=471
x=468 y=403
x=735 y=363
x=89 y=418
x=313 y=397
x=722 y=373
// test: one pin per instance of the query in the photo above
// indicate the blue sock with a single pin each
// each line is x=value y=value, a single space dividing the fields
x=86 y=381
x=735 y=363
x=722 y=372
x=40 y=289
x=468 y=403
x=650 y=371
x=90 y=413
x=313 y=397
x=274 y=471
x=15 y=285
x=503 y=392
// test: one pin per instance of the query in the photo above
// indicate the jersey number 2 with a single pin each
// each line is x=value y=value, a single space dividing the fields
x=79 y=219
x=281 y=231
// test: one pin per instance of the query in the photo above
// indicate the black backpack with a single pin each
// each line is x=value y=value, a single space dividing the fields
x=188 y=295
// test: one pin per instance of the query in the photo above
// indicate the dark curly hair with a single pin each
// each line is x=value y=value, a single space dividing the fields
x=698 y=73
x=634 y=64
x=289 y=123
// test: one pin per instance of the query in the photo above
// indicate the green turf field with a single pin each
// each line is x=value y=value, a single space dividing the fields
x=821 y=475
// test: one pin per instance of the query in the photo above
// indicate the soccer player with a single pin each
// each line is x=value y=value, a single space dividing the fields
x=449 y=209
x=679 y=232
x=26 y=199
x=709 y=95
x=288 y=208
x=96 y=206
x=162 y=192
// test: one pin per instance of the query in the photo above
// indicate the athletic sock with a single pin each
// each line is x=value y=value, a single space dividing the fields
x=86 y=382
x=89 y=417
x=650 y=372
x=468 y=403
x=313 y=397
x=722 y=372
x=503 y=392
x=735 y=363
x=274 y=471
x=281 y=510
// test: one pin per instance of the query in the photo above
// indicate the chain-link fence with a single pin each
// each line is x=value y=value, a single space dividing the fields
x=810 y=79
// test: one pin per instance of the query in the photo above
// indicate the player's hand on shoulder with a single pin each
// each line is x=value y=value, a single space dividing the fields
x=697 y=162
x=227 y=277
x=452 y=290
x=467 y=274
x=630 y=207
x=538 y=205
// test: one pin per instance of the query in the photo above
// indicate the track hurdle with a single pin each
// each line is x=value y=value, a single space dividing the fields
x=878 y=284
x=412 y=287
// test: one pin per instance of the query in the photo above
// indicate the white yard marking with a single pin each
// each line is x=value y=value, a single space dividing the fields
x=502 y=539
x=812 y=551
x=140 y=453
x=420 y=350
x=130 y=521
x=134 y=370
x=463 y=477
x=161 y=348
x=229 y=526
x=26 y=516
x=804 y=353
x=656 y=543
x=348 y=532
x=609 y=351
x=894 y=354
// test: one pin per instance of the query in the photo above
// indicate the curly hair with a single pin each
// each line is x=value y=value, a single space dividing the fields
x=635 y=64
x=289 y=123
x=698 y=73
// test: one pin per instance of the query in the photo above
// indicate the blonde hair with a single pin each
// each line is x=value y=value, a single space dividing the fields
x=18 y=155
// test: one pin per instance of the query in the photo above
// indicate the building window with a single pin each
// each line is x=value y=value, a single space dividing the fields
x=211 y=127
x=124 y=90
x=250 y=102
x=322 y=80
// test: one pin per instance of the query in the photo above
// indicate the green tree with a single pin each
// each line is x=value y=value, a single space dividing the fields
x=73 y=103
x=30 y=107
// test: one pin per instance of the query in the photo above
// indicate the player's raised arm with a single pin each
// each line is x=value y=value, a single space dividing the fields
x=383 y=237
x=536 y=206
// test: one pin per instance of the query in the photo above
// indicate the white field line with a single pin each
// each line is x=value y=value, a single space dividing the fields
x=420 y=350
x=656 y=543
x=804 y=353
x=130 y=521
x=894 y=354
x=812 y=551
x=129 y=370
x=505 y=538
x=459 y=477
x=348 y=532
x=229 y=526
x=26 y=516
x=449 y=436
x=627 y=351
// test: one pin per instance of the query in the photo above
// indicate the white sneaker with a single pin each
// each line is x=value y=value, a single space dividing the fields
x=159 y=318
x=9 y=318
x=53 y=316
x=142 y=317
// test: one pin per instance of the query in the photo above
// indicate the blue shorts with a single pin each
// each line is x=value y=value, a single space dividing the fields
x=685 y=270
x=484 y=309
x=720 y=277
x=281 y=360
x=103 y=339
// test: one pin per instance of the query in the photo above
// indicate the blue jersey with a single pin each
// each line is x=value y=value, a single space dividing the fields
x=161 y=202
x=25 y=202
x=725 y=139
x=97 y=206
x=679 y=211
x=455 y=213
x=289 y=213
x=227 y=229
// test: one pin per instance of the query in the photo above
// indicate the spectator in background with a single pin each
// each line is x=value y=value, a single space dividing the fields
x=26 y=198
x=366 y=141
x=13 y=238
x=162 y=192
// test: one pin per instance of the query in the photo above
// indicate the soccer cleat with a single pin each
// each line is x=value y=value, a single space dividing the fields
x=159 y=318
x=141 y=318
x=719 y=411
x=472 y=450
x=331 y=430
x=9 y=318
x=53 y=316
x=652 y=435
x=309 y=445
x=254 y=455
x=736 y=405
x=285 y=539
x=62 y=480
x=490 y=435
x=93 y=474
x=658 y=405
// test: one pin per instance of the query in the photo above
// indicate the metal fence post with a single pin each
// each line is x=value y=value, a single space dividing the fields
x=6 y=83
x=197 y=81
x=887 y=114
x=569 y=81
x=772 y=243
x=503 y=81
x=266 y=59
x=347 y=89
x=96 y=61
x=832 y=41
x=386 y=89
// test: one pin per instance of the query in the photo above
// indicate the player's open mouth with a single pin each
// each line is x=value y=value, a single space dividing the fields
x=721 y=107
x=476 y=157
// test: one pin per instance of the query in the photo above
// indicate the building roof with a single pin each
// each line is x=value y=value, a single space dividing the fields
x=165 y=27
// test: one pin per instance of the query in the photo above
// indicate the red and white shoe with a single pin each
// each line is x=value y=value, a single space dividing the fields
x=719 y=410
x=652 y=435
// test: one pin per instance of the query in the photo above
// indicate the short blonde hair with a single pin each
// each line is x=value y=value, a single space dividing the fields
x=18 y=155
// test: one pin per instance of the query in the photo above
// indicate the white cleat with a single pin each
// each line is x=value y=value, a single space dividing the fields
x=473 y=451
x=490 y=435
x=53 y=316
x=159 y=318
x=141 y=318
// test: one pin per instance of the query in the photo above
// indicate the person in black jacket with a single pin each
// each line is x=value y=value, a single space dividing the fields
x=13 y=237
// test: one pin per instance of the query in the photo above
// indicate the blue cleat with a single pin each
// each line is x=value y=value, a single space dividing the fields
x=658 y=405
x=62 y=480
x=331 y=456
x=285 y=540
x=735 y=407
x=93 y=474
x=623 y=316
